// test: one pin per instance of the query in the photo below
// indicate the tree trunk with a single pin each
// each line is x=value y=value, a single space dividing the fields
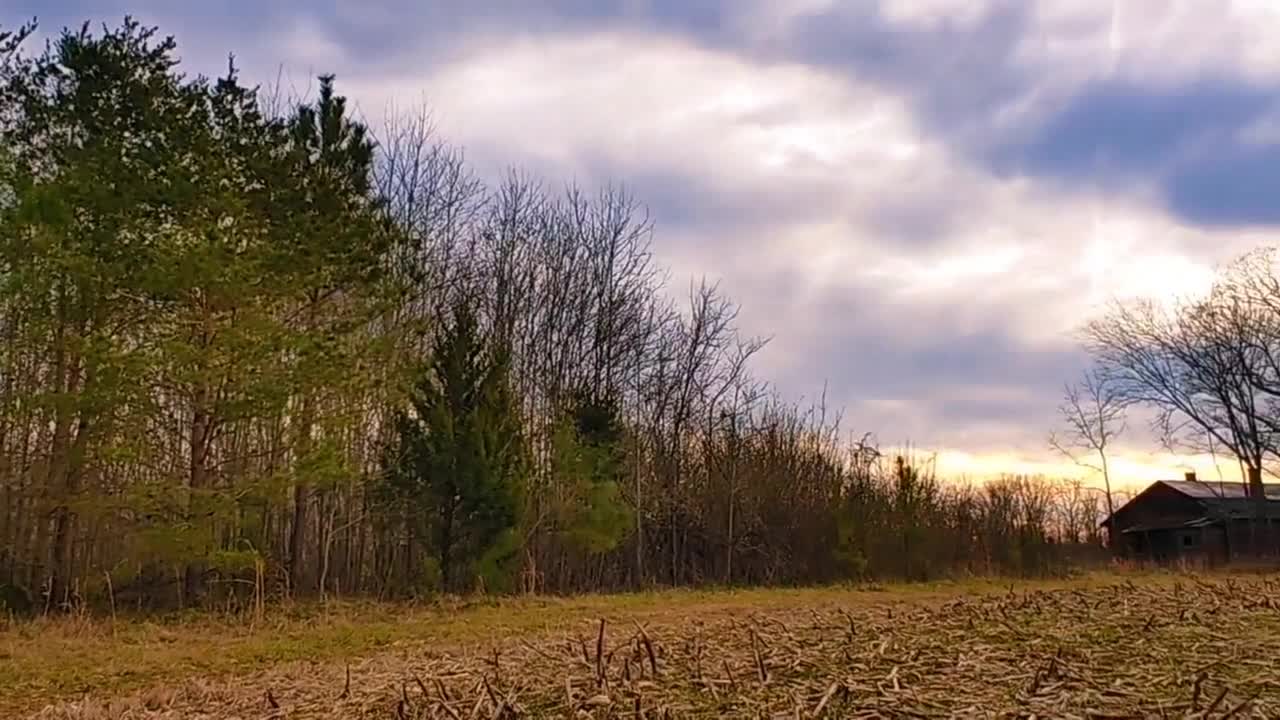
x=64 y=470
x=446 y=545
x=65 y=518
x=728 y=555
x=1261 y=523
x=639 y=581
x=301 y=499
x=297 y=535
x=1106 y=482
x=329 y=504
x=302 y=489
x=197 y=482
x=733 y=497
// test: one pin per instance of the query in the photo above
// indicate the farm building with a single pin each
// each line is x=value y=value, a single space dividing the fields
x=1195 y=522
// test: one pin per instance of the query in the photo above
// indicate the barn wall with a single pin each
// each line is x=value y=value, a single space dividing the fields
x=1191 y=547
x=1242 y=538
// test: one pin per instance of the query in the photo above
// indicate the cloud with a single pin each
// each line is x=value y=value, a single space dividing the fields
x=919 y=200
x=711 y=140
x=1188 y=142
x=955 y=61
x=1116 y=131
x=1092 y=94
x=931 y=294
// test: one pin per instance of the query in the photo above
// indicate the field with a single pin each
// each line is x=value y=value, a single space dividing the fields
x=1102 y=646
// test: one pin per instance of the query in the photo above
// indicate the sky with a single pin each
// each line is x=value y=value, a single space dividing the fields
x=919 y=201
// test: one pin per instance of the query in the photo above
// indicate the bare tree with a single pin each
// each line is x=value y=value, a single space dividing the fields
x=1210 y=368
x=1248 y=320
x=1093 y=413
x=1187 y=364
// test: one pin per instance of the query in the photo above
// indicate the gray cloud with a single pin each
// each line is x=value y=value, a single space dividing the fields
x=373 y=34
x=1187 y=140
x=1183 y=137
x=957 y=75
x=928 y=373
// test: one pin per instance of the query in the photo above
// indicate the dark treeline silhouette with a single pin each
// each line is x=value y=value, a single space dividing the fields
x=248 y=348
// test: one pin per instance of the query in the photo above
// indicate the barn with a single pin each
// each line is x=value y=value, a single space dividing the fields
x=1195 y=522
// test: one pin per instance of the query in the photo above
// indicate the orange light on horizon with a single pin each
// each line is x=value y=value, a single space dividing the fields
x=1128 y=469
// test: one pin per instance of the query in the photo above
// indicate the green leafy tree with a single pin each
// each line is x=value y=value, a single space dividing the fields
x=588 y=462
x=459 y=461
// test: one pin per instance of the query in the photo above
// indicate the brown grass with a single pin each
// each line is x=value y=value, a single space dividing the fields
x=1104 y=646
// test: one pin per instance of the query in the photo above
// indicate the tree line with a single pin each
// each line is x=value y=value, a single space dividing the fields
x=250 y=346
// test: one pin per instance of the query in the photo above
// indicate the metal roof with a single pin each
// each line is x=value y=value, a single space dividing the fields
x=1227 y=501
x=1202 y=490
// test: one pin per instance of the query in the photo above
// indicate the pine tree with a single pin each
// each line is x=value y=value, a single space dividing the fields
x=95 y=128
x=333 y=252
x=221 y=331
x=188 y=266
x=460 y=459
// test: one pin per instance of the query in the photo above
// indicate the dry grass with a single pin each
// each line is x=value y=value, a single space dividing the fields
x=1150 y=646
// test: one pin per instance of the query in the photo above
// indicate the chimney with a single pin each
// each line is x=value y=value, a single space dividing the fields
x=1190 y=476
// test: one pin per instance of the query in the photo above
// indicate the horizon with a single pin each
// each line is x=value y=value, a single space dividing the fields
x=918 y=202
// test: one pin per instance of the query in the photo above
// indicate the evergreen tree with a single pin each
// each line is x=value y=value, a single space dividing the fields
x=333 y=252
x=221 y=332
x=189 y=265
x=459 y=462
x=96 y=127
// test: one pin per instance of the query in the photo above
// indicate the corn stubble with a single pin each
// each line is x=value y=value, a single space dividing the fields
x=1197 y=649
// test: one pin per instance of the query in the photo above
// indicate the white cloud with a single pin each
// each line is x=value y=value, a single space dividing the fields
x=929 y=14
x=1154 y=40
x=307 y=46
x=1035 y=260
x=653 y=101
